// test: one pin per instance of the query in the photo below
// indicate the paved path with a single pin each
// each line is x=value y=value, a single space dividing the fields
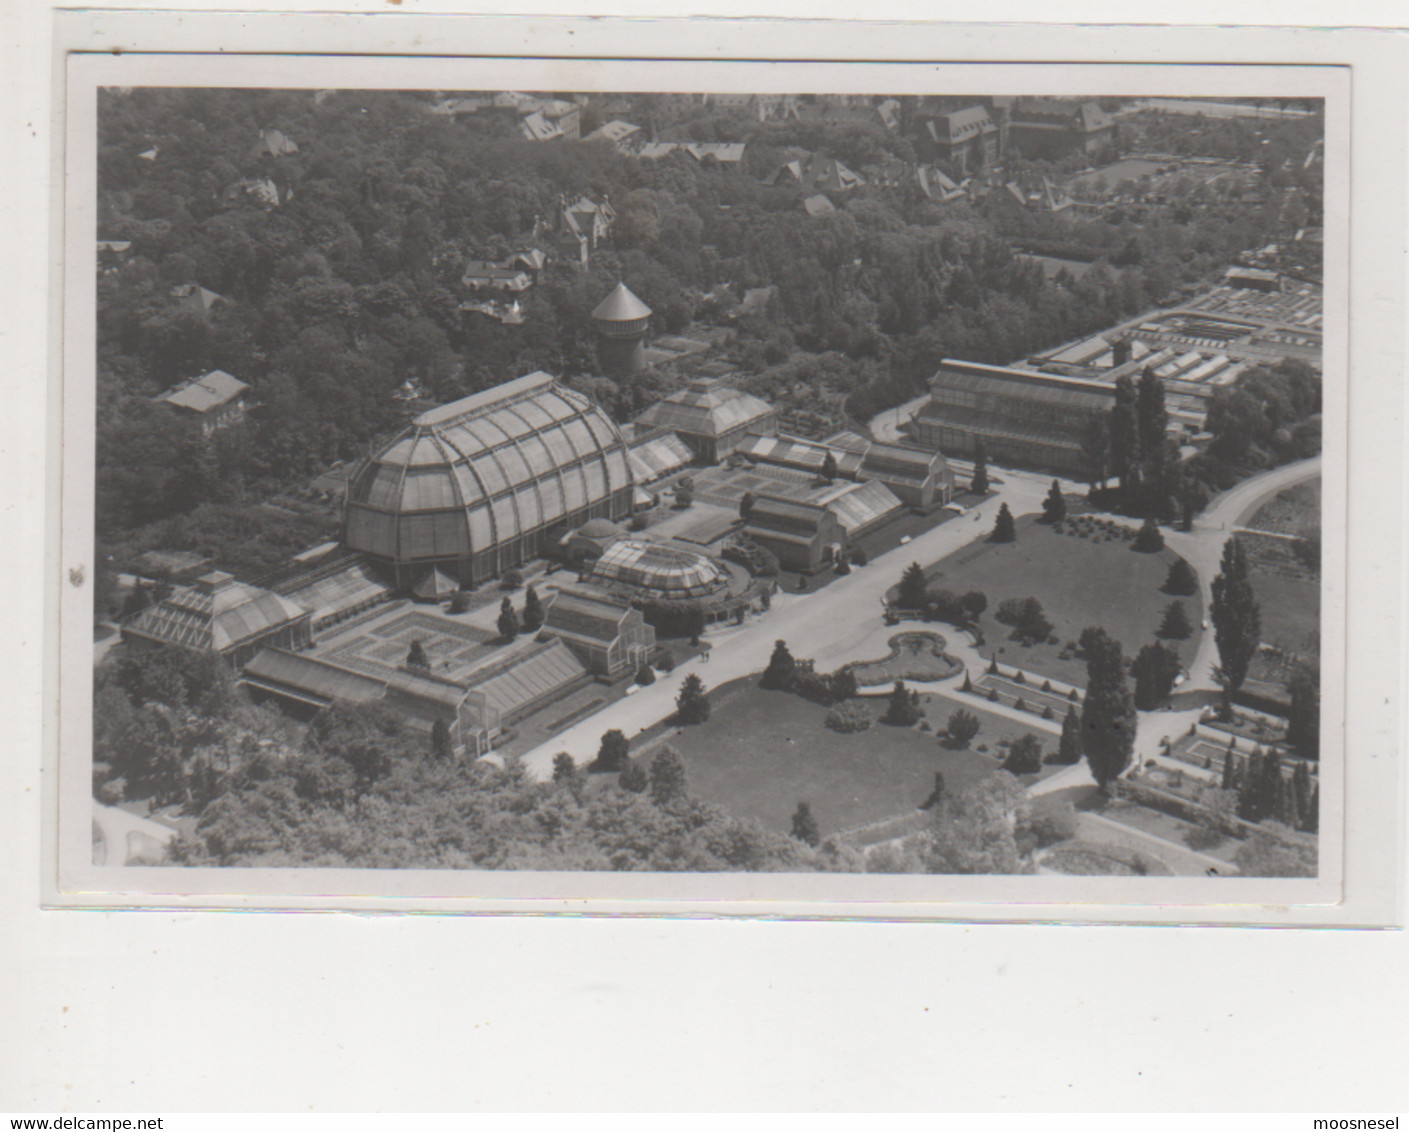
x=1203 y=546
x=831 y=626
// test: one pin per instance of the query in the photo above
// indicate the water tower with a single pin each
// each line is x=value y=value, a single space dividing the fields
x=622 y=320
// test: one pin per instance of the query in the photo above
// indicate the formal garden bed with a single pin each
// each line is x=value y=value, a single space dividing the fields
x=914 y=656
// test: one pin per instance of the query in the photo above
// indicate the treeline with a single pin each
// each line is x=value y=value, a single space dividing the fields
x=350 y=285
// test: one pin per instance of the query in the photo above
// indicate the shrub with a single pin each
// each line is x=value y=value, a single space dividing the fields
x=633 y=777
x=1046 y=685
x=1024 y=756
x=1020 y=704
x=1201 y=838
x=848 y=718
x=993 y=695
x=901 y=709
x=962 y=727
x=460 y=603
x=666 y=662
x=638 y=523
x=1019 y=677
x=1048 y=827
x=1048 y=713
x=612 y=755
x=645 y=675
x=1149 y=540
x=512 y=579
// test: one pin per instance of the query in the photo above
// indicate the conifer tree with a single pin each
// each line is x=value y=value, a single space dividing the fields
x=1181 y=579
x=911 y=594
x=1125 y=438
x=1108 y=715
x=1237 y=620
x=901 y=710
x=1304 y=714
x=1230 y=770
x=1004 y=529
x=1149 y=539
x=1301 y=788
x=781 y=665
x=440 y=740
x=416 y=655
x=979 y=484
x=532 y=610
x=1054 y=507
x=1154 y=670
x=692 y=703
x=804 y=826
x=667 y=777
x=612 y=754
x=829 y=467
x=1152 y=419
x=508 y=622
x=1175 y=624
x=1069 y=746
x=936 y=795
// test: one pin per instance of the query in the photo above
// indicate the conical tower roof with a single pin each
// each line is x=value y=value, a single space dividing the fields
x=621 y=306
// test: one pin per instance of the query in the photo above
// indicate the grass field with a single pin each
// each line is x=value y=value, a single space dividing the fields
x=1079 y=582
x=1291 y=612
x=762 y=752
x=1292 y=511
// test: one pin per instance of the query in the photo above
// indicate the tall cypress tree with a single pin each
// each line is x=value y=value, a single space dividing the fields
x=532 y=610
x=1304 y=714
x=1237 y=620
x=1125 y=437
x=1054 y=507
x=1069 y=746
x=1108 y=716
x=1152 y=419
x=979 y=484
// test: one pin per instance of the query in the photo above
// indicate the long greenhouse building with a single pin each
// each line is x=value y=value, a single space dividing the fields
x=487 y=482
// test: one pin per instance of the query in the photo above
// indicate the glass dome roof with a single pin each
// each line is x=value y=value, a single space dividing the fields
x=652 y=570
x=484 y=470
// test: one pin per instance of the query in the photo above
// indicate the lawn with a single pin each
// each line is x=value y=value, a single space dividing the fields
x=762 y=752
x=1291 y=612
x=1079 y=582
x=1292 y=511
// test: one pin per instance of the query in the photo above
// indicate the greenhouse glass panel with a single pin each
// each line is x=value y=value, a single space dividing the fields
x=515 y=470
x=527 y=502
x=452 y=538
x=427 y=491
x=481 y=528
x=470 y=491
x=574 y=489
x=486 y=432
x=596 y=479
x=384 y=487
x=617 y=470
x=506 y=522
x=550 y=491
x=559 y=446
x=418 y=536
x=509 y=422
x=581 y=438
x=533 y=414
x=536 y=453
x=487 y=469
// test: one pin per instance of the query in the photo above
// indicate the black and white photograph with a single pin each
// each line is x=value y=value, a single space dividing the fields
x=819 y=483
